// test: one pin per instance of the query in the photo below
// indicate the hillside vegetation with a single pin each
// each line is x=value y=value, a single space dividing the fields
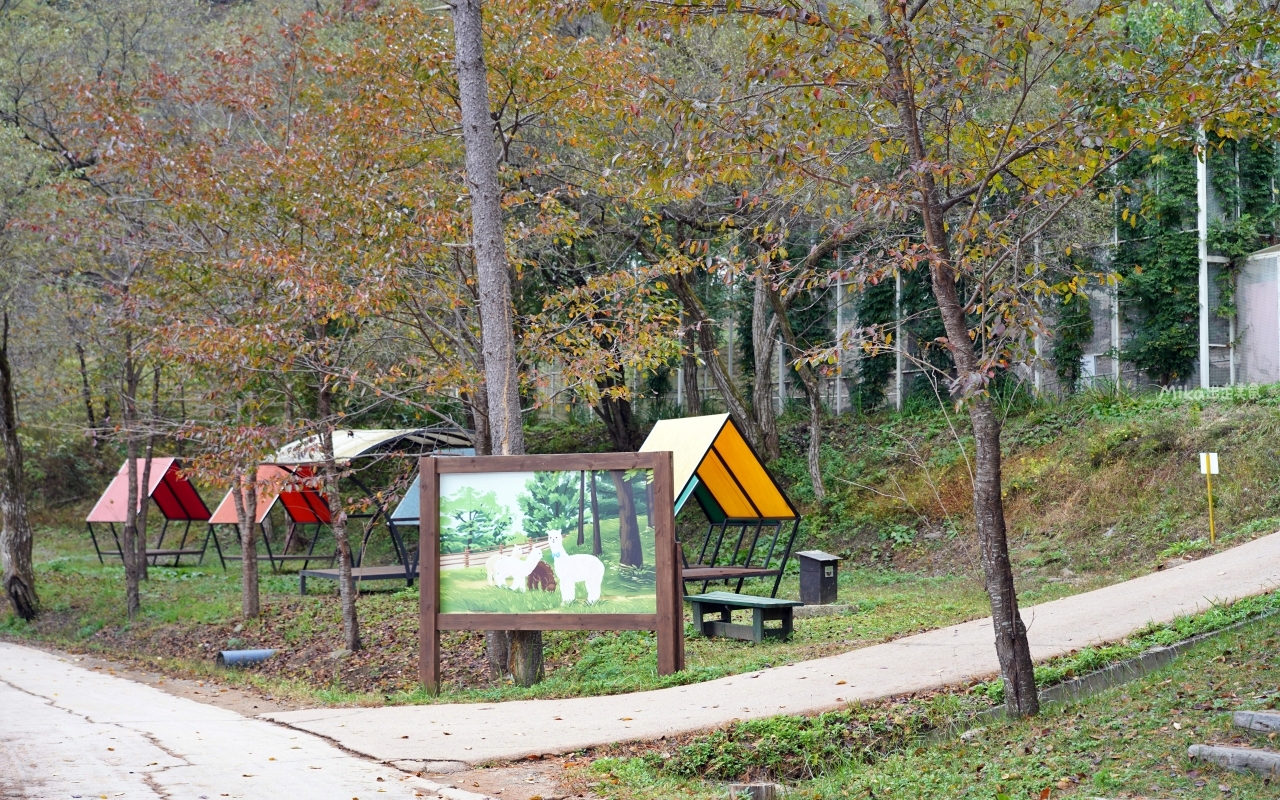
x=1105 y=482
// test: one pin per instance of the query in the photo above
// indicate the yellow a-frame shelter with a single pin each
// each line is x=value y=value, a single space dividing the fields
x=715 y=465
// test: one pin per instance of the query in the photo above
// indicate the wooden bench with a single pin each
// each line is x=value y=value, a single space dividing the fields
x=394 y=572
x=725 y=603
x=153 y=553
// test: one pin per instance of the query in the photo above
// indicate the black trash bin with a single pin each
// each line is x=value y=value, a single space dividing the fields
x=818 y=575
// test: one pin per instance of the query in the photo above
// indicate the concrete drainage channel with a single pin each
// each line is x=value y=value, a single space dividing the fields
x=1234 y=758
x=1096 y=682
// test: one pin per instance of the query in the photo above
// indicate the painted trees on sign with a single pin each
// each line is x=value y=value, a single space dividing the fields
x=550 y=501
x=631 y=554
x=473 y=519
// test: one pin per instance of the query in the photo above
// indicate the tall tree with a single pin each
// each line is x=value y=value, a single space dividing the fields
x=489 y=247
x=979 y=125
x=16 y=536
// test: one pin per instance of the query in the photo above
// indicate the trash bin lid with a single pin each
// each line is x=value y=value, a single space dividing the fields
x=817 y=555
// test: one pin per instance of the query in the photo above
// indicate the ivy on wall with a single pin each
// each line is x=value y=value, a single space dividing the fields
x=1243 y=174
x=1071 y=335
x=1158 y=261
x=1158 y=255
x=923 y=325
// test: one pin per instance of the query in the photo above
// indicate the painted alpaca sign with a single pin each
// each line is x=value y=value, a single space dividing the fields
x=546 y=541
x=573 y=542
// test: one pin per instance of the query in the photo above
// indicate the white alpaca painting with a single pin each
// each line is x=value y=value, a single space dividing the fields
x=574 y=569
x=512 y=567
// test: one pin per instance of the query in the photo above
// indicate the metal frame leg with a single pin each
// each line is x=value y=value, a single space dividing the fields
x=159 y=544
x=93 y=537
x=271 y=557
x=786 y=554
x=177 y=560
x=217 y=546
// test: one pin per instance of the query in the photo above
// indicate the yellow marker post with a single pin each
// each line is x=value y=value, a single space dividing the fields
x=1209 y=468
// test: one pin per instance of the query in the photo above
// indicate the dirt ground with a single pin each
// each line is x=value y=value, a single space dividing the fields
x=542 y=779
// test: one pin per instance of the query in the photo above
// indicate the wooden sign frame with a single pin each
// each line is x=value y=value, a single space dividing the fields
x=668 y=622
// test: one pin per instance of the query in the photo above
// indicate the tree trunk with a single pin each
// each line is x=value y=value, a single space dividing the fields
x=144 y=509
x=617 y=416
x=497 y=332
x=812 y=390
x=597 y=546
x=337 y=520
x=715 y=365
x=497 y=646
x=478 y=415
x=87 y=395
x=129 y=536
x=525 y=657
x=631 y=552
x=692 y=392
x=245 y=494
x=582 y=508
x=1012 y=648
x=16 y=535
x=764 y=330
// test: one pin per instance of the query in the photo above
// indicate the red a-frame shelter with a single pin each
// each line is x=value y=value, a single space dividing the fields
x=176 y=499
x=303 y=504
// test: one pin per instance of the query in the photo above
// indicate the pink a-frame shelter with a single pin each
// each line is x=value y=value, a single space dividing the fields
x=175 y=497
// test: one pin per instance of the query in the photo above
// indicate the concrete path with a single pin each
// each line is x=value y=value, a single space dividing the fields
x=68 y=732
x=477 y=733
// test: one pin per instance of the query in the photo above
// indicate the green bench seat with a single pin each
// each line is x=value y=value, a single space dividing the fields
x=763 y=609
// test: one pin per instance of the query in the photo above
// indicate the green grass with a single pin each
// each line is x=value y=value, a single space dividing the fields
x=1129 y=741
x=184 y=608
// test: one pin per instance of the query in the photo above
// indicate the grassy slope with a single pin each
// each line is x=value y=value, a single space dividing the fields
x=1101 y=484
x=1130 y=741
x=1099 y=489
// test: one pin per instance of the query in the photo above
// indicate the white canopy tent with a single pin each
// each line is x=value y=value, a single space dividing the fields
x=349 y=444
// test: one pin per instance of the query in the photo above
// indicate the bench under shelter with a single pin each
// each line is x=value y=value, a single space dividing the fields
x=751 y=524
x=174 y=496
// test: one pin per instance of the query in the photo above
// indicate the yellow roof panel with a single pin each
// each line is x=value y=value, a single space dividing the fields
x=715 y=474
x=712 y=449
x=751 y=474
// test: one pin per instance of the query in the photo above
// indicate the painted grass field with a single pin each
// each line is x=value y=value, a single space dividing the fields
x=624 y=590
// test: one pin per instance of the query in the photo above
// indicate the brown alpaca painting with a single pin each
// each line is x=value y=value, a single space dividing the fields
x=541 y=578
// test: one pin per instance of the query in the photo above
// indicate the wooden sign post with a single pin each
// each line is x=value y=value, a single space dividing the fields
x=476 y=605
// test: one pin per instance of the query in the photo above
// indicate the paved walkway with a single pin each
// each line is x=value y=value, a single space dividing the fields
x=68 y=732
x=481 y=732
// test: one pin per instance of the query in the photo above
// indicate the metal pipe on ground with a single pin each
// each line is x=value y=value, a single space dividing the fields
x=243 y=658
